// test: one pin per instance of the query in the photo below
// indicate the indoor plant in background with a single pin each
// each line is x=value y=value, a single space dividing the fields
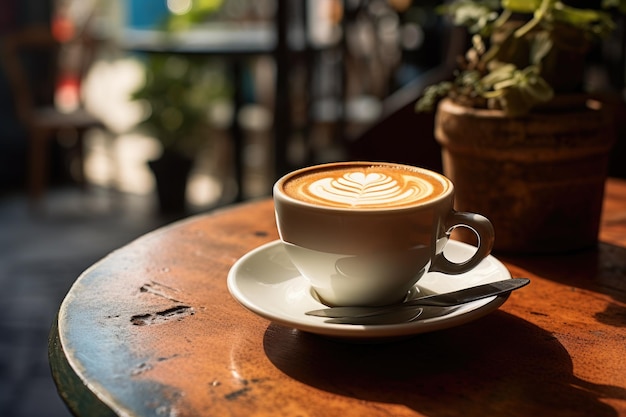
x=521 y=140
x=176 y=96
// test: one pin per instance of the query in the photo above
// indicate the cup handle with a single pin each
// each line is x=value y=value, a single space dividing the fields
x=483 y=229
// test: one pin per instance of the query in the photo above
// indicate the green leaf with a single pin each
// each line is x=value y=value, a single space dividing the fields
x=516 y=91
x=431 y=95
x=476 y=16
x=618 y=4
x=540 y=47
x=521 y=6
x=596 y=22
x=499 y=78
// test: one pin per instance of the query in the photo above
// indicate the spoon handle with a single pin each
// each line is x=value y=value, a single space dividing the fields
x=450 y=299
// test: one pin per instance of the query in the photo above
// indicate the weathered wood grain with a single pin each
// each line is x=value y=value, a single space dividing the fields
x=151 y=330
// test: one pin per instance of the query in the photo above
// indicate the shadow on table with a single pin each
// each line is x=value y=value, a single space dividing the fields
x=601 y=269
x=487 y=368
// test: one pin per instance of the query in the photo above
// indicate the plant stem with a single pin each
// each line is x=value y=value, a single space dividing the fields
x=541 y=12
x=503 y=18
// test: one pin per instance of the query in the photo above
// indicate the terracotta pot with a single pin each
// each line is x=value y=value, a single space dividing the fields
x=539 y=178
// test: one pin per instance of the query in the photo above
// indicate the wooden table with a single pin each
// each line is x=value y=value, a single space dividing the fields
x=151 y=330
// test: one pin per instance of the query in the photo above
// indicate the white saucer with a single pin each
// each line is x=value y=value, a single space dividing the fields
x=266 y=282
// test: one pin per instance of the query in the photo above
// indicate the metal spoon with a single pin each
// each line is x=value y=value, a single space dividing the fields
x=450 y=299
x=401 y=315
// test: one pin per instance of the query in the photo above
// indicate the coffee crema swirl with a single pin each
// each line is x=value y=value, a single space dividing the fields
x=365 y=187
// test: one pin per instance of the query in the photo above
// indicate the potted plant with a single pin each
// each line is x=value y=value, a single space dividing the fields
x=175 y=97
x=521 y=140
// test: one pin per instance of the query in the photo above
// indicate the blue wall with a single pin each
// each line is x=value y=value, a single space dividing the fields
x=145 y=14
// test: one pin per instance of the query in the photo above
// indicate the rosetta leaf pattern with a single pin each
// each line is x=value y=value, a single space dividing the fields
x=369 y=189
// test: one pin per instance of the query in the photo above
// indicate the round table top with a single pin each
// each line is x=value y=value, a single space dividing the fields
x=151 y=330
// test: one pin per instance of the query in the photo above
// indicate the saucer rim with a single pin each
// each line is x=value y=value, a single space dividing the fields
x=317 y=325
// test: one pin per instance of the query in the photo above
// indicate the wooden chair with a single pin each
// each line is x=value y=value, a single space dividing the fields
x=33 y=96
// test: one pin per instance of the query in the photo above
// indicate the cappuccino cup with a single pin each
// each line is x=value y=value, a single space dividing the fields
x=364 y=233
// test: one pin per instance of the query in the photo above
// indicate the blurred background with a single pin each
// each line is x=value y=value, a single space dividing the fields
x=216 y=66
x=119 y=116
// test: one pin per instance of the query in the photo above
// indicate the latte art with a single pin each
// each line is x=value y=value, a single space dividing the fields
x=365 y=187
x=360 y=189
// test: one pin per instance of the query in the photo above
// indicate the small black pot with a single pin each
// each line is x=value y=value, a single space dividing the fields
x=171 y=172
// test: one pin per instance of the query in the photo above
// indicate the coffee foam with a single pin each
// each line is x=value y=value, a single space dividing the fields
x=365 y=186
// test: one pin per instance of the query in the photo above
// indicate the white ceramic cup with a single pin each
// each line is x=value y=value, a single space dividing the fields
x=364 y=233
